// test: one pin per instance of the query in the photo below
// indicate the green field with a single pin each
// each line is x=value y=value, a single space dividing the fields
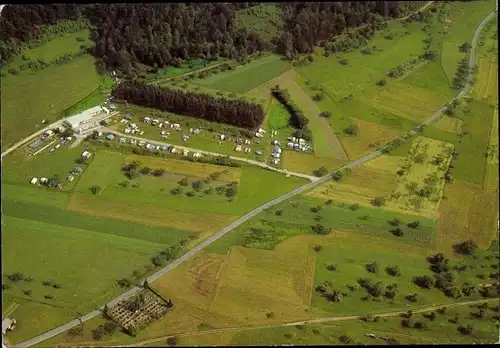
x=27 y=97
x=265 y=20
x=461 y=21
x=57 y=47
x=248 y=76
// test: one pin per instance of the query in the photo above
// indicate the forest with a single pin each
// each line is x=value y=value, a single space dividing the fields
x=199 y=105
x=135 y=38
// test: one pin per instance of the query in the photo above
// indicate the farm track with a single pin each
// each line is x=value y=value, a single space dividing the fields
x=305 y=322
x=225 y=230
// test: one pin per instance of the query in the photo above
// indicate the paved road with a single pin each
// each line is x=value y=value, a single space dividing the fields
x=257 y=163
x=248 y=216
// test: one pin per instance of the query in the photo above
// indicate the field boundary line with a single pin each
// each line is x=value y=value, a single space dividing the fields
x=489 y=79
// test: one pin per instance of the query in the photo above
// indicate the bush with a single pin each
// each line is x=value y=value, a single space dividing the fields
x=465 y=330
x=320 y=229
x=393 y=271
x=468 y=247
x=413 y=224
x=145 y=170
x=318 y=97
x=15 y=277
x=412 y=297
x=381 y=83
x=354 y=206
x=325 y=114
x=372 y=267
x=331 y=267
x=317 y=248
x=378 y=202
x=352 y=129
x=337 y=175
x=425 y=281
x=345 y=339
x=124 y=283
x=173 y=341
x=344 y=61
x=398 y=232
x=394 y=222
x=321 y=172
x=184 y=182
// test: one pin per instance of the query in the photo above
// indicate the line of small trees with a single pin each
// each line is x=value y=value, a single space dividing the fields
x=234 y=112
x=297 y=118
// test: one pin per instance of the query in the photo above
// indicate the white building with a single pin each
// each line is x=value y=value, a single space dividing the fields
x=87 y=119
x=34 y=181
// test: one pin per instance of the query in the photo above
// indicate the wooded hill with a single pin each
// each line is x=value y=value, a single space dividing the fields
x=234 y=112
x=135 y=38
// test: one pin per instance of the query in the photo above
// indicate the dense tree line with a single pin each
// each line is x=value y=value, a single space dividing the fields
x=130 y=38
x=309 y=23
x=233 y=112
x=297 y=118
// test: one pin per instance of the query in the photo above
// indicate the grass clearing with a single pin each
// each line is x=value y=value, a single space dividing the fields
x=277 y=117
x=192 y=169
x=467 y=212
x=148 y=214
x=100 y=171
x=306 y=163
x=438 y=83
x=370 y=136
x=248 y=76
x=27 y=96
x=408 y=101
x=450 y=124
x=57 y=47
x=85 y=282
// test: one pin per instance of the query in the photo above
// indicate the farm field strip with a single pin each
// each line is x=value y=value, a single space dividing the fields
x=486 y=87
x=450 y=124
x=192 y=169
x=246 y=77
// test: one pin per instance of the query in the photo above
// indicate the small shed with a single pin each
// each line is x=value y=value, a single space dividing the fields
x=78 y=170
x=8 y=325
x=70 y=178
x=34 y=181
x=110 y=137
x=86 y=154
x=237 y=148
x=122 y=140
x=43 y=180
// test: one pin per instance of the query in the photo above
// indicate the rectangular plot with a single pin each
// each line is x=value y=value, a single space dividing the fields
x=244 y=78
x=193 y=169
x=450 y=124
x=100 y=171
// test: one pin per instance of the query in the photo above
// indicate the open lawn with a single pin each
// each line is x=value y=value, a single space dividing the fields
x=245 y=77
x=370 y=137
x=55 y=48
x=461 y=21
x=306 y=163
x=467 y=212
x=27 y=97
x=85 y=281
x=408 y=101
x=450 y=124
x=432 y=78
x=19 y=169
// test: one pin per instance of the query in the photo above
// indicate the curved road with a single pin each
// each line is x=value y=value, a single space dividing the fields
x=256 y=211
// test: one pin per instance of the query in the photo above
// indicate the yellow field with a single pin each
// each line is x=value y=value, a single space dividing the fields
x=491 y=174
x=486 y=87
x=389 y=163
x=193 y=169
x=306 y=163
x=370 y=137
x=150 y=214
x=418 y=172
x=449 y=124
x=408 y=101
x=245 y=285
x=467 y=212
